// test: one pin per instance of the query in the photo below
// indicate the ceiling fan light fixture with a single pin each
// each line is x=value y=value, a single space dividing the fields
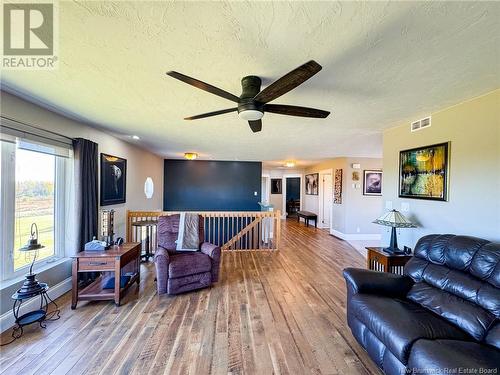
x=251 y=115
x=190 y=155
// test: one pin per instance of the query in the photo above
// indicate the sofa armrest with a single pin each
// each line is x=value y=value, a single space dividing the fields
x=162 y=261
x=213 y=252
x=359 y=280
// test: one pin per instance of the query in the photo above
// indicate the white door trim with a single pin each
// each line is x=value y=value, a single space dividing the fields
x=320 y=197
x=268 y=188
x=283 y=188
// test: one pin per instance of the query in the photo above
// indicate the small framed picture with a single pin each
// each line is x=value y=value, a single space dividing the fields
x=372 y=182
x=113 y=179
x=312 y=184
x=276 y=185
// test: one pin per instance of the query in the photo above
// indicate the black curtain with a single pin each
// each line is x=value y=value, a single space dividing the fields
x=86 y=169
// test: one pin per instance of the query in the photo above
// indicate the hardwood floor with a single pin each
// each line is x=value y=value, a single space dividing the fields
x=280 y=313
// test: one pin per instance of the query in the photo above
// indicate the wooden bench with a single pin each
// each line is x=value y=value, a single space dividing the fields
x=306 y=215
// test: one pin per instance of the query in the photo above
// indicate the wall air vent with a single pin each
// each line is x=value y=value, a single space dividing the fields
x=420 y=124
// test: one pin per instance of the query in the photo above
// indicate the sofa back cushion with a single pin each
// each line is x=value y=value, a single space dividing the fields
x=168 y=230
x=458 y=278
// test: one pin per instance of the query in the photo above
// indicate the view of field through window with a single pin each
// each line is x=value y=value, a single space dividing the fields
x=35 y=203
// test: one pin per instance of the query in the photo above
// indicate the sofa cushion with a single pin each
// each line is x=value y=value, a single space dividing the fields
x=398 y=323
x=433 y=356
x=493 y=336
x=458 y=278
x=464 y=314
x=184 y=264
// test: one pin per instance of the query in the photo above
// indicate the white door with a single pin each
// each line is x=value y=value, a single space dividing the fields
x=264 y=192
x=326 y=205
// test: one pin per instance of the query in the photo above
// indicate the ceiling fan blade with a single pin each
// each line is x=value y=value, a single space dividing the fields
x=209 y=114
x=256 y=126
x=292 y=110
x=203 y=86
x=288 y=82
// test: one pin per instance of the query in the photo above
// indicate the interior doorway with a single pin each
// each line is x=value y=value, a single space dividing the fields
x=326 y=200
x=265 y=189
x=292 y=197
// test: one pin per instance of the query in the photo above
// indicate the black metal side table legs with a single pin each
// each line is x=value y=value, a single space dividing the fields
x=39 y=316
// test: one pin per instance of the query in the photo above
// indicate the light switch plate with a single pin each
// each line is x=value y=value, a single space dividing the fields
x=405 y=207
x=388 y=205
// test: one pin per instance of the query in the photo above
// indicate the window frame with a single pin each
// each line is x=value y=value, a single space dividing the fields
x=7 y=211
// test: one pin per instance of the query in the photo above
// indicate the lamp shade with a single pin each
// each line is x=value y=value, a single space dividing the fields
x=394 y=219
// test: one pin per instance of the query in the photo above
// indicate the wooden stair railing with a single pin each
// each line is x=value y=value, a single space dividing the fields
x=231 y=230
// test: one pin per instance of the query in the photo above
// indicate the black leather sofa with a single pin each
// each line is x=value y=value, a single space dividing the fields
x=441 y=317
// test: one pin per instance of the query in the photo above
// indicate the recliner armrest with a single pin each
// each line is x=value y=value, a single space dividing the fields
x=213 y=251
x=210 y=249
x=363 y=281
x=162 y=261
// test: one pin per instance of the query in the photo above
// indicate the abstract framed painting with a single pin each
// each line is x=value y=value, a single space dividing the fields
x=337 y=187
x=423 y=172
x=372 y=182
x=312 y=183
x=113 y=179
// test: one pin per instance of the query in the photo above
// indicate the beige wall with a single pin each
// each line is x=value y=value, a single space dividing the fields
x=140 y=164
x=311 y=202
x=473 y=206
x=357 y=211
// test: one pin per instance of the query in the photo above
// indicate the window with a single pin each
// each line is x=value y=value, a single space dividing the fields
x=33 y=190
x=35 y=203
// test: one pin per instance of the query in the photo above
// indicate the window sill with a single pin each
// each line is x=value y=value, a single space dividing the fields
x=37 y=269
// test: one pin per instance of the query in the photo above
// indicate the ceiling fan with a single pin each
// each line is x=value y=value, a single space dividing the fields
x=253 y=102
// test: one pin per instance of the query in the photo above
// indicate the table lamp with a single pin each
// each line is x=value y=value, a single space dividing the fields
x=31 y=284
x=394 y=219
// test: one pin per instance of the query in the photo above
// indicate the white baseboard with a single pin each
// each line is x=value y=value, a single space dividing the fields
x=355 y=236
x=7 y=319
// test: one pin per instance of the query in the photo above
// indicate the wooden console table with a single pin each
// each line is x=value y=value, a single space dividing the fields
x=378 y=260
x=111 y=262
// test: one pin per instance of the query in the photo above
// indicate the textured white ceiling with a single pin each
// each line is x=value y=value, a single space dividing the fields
x=383 y=63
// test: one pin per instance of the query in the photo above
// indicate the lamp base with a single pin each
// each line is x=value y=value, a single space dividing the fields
x=392 y=250
x=30 y=287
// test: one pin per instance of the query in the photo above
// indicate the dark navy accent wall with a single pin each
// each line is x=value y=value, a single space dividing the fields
x=199 y=185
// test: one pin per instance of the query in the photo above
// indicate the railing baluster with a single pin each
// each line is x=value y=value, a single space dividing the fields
x=233 y=231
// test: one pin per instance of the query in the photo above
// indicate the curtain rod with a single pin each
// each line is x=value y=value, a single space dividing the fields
x=34 y=127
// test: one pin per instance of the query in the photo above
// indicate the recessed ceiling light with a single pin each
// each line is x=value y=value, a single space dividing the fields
x=136 y=137
x=190 y=155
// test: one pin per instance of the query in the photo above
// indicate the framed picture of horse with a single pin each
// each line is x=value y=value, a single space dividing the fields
x=113 y=179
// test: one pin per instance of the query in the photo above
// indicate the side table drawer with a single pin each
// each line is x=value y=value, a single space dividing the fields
x=96 y=264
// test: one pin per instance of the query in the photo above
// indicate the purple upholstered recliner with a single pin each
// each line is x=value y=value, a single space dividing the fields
x=178 y=272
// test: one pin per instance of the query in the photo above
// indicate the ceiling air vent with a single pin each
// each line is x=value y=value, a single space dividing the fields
x=420 y=124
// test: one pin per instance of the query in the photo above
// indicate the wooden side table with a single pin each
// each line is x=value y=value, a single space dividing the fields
x=110 y=261
x=378 y=260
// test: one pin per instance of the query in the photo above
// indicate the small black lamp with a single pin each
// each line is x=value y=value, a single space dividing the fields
x=394 y=219
x=31 y=285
